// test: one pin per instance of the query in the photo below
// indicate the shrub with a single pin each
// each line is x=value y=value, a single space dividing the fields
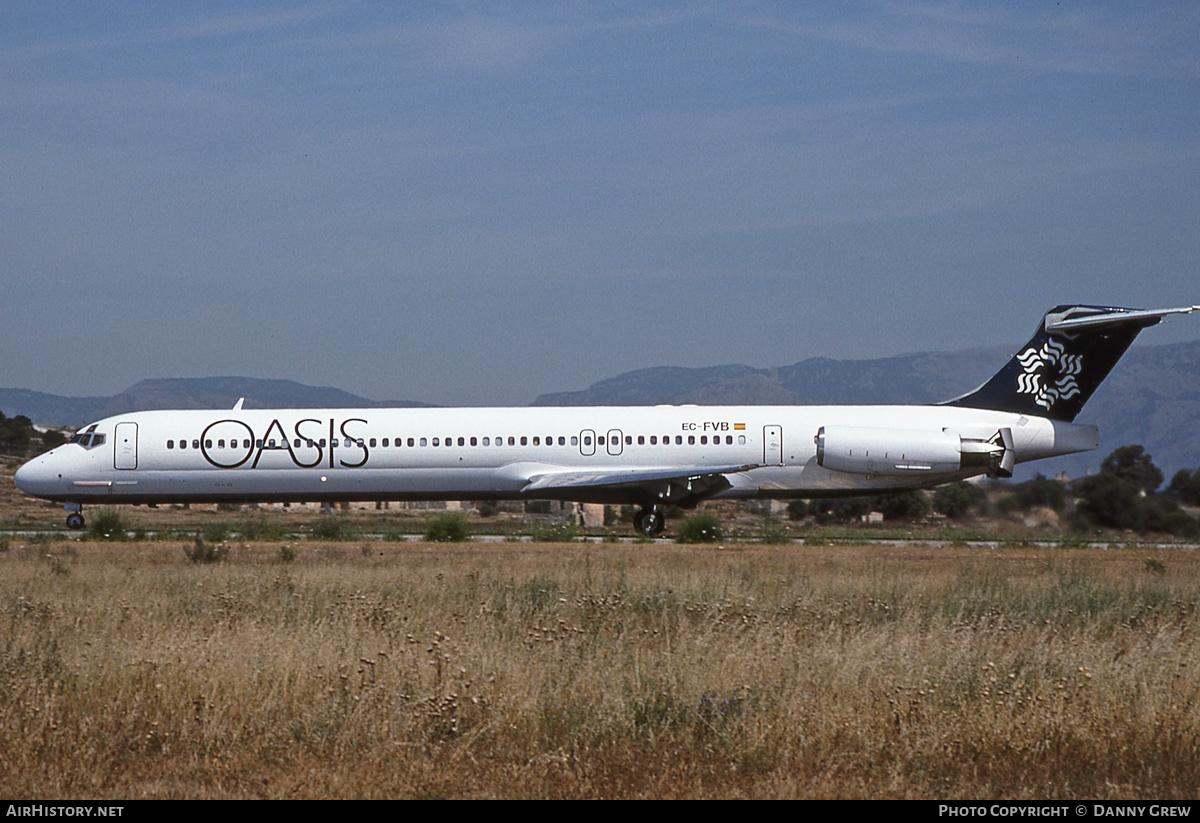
x=774 y=533
x=332 y=527
x=202 y=552
x=700 y=528
x=108 y=525
x=447 y=527
x=838 y=510
x=260 y=528
x=215 y=532
x=554 y=532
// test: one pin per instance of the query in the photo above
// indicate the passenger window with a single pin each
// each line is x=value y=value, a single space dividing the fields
x=691 y=439
x=574 y=440
x=195 y=444
x=562 y=441
x=524 y=441
x=424 y=442
x=654 y=440
x=436 y=442
x=741 y=439
x=600 y=440
x=704 y=440
x=512 y=441
x=486 y=441
x=628 y=440
x=461 y=442
x=371 y=441
x=170 y=444
x=678 y=440
x=587 y=441
x=474 y=442
x=641 y=439
x=410 y=441
x=537 y=441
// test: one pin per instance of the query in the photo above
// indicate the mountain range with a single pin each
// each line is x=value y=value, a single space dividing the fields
x=1152 y=396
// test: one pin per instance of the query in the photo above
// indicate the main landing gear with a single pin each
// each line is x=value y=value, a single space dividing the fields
x=75 y=520
x=649 y=522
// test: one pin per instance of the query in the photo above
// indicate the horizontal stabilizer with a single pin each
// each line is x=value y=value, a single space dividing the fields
x=1072 y=319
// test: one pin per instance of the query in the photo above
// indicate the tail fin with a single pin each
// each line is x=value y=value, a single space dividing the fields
x=1073 y=350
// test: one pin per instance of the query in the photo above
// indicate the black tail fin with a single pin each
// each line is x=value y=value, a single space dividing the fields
x=1073 y=350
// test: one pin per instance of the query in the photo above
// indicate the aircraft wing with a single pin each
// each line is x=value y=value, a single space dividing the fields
x=679 y=484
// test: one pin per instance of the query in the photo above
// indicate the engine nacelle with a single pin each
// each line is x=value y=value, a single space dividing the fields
x=907 y=452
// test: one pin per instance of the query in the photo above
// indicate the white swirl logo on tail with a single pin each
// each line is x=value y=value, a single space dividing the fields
x=1049 y=373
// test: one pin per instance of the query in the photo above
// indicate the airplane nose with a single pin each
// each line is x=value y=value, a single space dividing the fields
x=38 y=477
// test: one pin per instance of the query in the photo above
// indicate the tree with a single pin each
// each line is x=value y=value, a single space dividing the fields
x=15 y=432
x=1131 y=463
x=958 y=500
x=1185 y=487
x=1122 y=496
x=909 y=505
x=1040 y=491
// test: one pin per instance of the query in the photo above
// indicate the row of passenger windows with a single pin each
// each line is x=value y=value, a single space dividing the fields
x=399 y=442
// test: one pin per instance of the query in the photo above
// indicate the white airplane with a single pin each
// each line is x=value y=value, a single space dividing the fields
x=646 y=456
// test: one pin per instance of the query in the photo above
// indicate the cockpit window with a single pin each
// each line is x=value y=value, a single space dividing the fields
x=87 y=439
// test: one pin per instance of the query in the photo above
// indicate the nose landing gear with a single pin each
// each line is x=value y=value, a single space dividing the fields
x=75 y=520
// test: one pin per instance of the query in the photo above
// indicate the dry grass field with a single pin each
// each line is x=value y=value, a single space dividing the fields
x=541 y=670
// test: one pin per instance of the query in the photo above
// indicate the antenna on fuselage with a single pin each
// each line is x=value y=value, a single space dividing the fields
x=238 y=405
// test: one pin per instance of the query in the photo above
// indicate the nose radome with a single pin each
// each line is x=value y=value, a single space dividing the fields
x=36 y=477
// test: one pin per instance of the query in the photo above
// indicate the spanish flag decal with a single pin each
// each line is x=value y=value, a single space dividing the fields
x=739 y=427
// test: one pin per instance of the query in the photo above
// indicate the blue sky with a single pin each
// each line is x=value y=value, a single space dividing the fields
x=477 y=203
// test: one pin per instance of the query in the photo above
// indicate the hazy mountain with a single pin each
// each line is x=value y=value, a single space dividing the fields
x=50 y=409
x=909 y=378
x=183 y=393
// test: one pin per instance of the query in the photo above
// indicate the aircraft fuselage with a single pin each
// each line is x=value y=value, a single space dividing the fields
x=494 y=453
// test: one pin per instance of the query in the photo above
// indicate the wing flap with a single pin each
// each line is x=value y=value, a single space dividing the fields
x=624 y=478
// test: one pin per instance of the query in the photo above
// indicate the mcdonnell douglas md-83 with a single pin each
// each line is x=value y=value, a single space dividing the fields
x=647 y=456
